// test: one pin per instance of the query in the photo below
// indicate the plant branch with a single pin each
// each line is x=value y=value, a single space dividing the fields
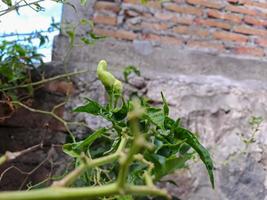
x=51 y=113
x=61 y=193
x=71 y=177
x=8 y=156
x=58 y=193
x=138 y=142
x=89 y=163
x=17 y=6
x=44 y=80
x=147 y=190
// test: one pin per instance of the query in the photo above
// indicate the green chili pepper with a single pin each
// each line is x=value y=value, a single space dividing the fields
x=112 y=85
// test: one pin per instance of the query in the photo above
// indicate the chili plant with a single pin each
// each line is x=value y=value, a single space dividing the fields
x=123 y=160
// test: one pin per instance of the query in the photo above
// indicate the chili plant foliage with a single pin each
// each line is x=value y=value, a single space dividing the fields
x=17 y=61
x=171 y=144
x=123 y=160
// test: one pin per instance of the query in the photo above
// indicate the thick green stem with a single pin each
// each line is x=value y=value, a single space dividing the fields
x=72 y=176
x=138 y=142
x=60 y=193
x=141 y=190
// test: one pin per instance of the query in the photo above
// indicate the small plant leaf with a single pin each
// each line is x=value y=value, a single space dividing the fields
x=75 y=149
x=155 y=116
x=91 y=107
x=203 y=153
x=165 y=105
x=121 y=113
x=129 y=70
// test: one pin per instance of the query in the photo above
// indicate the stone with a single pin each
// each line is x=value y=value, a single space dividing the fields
x=137 y=81
x=143 y=47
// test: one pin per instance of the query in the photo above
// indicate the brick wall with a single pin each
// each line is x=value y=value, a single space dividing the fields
x=236 y=27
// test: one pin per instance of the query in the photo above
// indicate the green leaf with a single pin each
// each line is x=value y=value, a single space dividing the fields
x=165 y=166
x=126 y=197
x=85 y=144
x=130 y=69
x=144 y=1
x=42 y=40
x=165 y=105
x=96 y=37
x=203 y=153
x=173 y=163
x=169 y=149
x=72 y=36
x=87 y=40
x=7 y=2
x=156 y=116
x=91 y=107
x=83 y=2
x=69 y=149
x=121 y=113
x=75 y=149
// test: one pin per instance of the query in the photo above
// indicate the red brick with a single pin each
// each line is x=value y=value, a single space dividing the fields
x=222 y=15
x=154 y=4
x=154 y=26
x=151 y=37
x=227 y=36
x=164 y=16
x=183 y=9
x=200 y=32
x=252 y=51
x=181 y=29
x=206 y=3
x=255 y=4
x=183 y=20
x=162 y=39
x=205 y=45
x=261 y=42
x=170 y=40
x=173 y=18
x=255 y=21
x=241 y=9
x=104 y=32
x=108 y=20
x=119 y=34
x=104 y=5
x=132 y=1
x=193 y=31
x=125 y=35
x=262 y=14
x=213 y=23
x=249 y=30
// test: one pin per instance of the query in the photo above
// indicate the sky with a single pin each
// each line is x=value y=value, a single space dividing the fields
x=28 y=21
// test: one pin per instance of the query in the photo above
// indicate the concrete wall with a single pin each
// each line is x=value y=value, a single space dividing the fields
x=214 y=90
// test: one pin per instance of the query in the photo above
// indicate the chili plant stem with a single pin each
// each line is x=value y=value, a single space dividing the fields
x=72 y=176
x=61 y=193
x=44 y=80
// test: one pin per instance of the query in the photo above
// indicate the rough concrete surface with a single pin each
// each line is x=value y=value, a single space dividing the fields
x=216 y=96
x=168 y=60
x=219 y=110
